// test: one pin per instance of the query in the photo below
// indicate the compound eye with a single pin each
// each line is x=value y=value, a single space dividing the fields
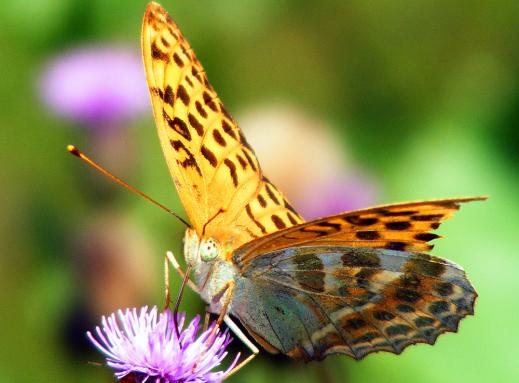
x=208 y=250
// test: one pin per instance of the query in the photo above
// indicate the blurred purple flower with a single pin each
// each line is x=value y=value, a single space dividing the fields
x=97 y=86
x=144 y=344
x=308 y=162
x=349 y=192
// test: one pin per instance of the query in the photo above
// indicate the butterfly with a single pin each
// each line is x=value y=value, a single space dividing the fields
x=352 y=283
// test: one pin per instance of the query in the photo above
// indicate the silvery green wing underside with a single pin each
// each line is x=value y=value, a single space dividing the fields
x=312 y=301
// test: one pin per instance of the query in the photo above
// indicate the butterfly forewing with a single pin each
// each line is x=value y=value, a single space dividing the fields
x=214 y=169
x=405 y=227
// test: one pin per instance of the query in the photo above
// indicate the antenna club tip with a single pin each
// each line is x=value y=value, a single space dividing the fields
x=73 y=150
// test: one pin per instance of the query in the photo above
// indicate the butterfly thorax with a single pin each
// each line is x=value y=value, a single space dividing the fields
x=211 y=270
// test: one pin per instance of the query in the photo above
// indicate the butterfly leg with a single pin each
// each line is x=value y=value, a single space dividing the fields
x=237 y=331
x=206 y=318
x=171 y=257
x=179 y=298
x=185 y=280
x=228 y=291
x=166 y=283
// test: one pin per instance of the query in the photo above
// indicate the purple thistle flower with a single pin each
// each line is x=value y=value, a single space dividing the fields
x=144 y=344
x=97 y=86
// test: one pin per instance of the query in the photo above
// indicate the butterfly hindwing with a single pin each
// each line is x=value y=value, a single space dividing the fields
x=215 y=171
x=309 y=302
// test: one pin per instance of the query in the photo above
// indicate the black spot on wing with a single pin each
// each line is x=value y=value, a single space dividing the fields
x=364 y=276
x=157 y=91
x=270 y=191
x=164 y=42
x=382 y=315
x=426 y=236
x=157 y=54
x=278 y=221
x=196 y=74
x=308 y=261
x=200 y=109
x=355 y=323
x=425 y=264
x=289 y=207
x=291 y=218
x=251 y=216
x=232 y=171
x=209 y=101
x=444 y=289
x=395 y=245
x=190 y=160
x=196 y=124
x=183 y=95
x=250 y=160
x=438 y=307
x=209 y=156
x=311 y=280
x=398 y=329
x=423 y=321
x=168 y=96
x=359 y=258
x=398 y=225
x=177 y=125
x=367 y=235
x=262 y=201
x=366 y=338
x=360 y=221
x=242 y=162
x=407 y=295
x=405 y=308
x=227 y=128
x=219 y=138
x=409 y=280
x=178 y=60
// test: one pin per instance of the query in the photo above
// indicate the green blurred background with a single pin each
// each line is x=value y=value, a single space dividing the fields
x=423 y=95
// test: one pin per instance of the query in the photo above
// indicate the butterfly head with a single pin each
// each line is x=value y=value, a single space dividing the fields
x=200 y=250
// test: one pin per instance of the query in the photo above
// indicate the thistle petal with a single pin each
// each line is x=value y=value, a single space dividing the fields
x=144 y=343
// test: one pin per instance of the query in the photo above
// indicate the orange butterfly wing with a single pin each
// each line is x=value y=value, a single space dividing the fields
x=215 y=171
x=404 y=227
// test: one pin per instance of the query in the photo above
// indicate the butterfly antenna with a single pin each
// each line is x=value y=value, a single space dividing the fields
x=220 y=211
x=75 y=151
